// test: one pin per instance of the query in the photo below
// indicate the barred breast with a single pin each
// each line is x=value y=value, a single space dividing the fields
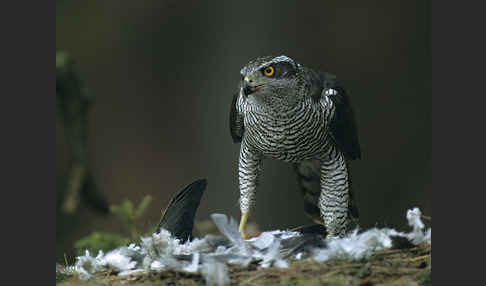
x=297 y=135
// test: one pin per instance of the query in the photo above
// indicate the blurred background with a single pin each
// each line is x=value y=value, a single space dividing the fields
x=162 y=74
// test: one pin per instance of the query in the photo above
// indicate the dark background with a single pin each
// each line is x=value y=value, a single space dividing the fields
x=163 y=72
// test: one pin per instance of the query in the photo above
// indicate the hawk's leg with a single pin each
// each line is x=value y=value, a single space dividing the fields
x=334 y=198
x=248 y=170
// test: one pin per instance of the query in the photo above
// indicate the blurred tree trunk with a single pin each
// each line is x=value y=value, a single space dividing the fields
x=73 y=103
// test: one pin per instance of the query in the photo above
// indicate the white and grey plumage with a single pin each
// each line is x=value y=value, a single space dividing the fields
x=286 y=111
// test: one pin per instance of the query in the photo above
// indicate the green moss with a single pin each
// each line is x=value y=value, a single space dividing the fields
x=106 y=241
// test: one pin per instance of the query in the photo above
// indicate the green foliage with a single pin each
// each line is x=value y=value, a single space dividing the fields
x=106 y=241
x=129 y=214
x=97 y=241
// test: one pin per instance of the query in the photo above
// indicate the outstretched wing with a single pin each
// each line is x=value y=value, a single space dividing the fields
x=236 y=121
x=343 y=125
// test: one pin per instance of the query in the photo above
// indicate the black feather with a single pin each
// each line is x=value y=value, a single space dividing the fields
x=317 y=229
x=236 y=129
x=343 y=126
x=178 y=217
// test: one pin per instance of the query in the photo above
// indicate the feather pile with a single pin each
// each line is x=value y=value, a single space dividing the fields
x=211 y=254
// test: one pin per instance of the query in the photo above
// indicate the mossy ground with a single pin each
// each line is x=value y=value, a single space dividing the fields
x=389 y=267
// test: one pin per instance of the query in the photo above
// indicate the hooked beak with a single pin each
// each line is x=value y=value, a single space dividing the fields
x=248 y=87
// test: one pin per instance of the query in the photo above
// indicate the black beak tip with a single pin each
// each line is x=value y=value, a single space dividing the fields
x=247 y=88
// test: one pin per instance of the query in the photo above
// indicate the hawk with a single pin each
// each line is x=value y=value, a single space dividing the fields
x=286 y=111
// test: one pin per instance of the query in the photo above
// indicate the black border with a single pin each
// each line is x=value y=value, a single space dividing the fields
x=28 y=185
x=455 y=30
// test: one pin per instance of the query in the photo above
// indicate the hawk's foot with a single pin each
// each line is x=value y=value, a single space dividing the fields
x=242 y=228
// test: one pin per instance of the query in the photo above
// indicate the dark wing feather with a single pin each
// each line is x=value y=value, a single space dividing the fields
x=235 y=121
x=178 y=217
x=343 y=126
x=344 y=135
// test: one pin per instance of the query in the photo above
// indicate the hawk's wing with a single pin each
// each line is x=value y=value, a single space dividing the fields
x=236 y=121
x=343 y=125
x=344 y=135
x=343 y=130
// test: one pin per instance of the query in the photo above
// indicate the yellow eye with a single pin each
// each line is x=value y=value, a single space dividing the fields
x=269 y=71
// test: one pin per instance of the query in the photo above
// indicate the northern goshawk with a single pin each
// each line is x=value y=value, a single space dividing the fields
x=286 y=111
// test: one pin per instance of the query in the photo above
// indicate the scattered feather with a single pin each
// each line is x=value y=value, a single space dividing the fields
x=428 y=236
x=215 y=272
x=211 y=254
x=229 y=228
x=131 y=272
x=417 y=236
x=274 y=257
x=87 y=265
x=118 y=260
x=193 y=267
x=354 y=246
x=263 y=241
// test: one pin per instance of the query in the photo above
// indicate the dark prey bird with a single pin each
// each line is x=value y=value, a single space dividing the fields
x=178 y=217
x=286 y=111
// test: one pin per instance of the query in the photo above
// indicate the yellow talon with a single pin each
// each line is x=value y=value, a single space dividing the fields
x=242 y=228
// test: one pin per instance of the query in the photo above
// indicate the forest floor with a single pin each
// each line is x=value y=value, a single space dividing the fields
x=410 y=266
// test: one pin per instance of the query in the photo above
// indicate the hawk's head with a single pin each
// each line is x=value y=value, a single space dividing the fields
x=273 y=82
